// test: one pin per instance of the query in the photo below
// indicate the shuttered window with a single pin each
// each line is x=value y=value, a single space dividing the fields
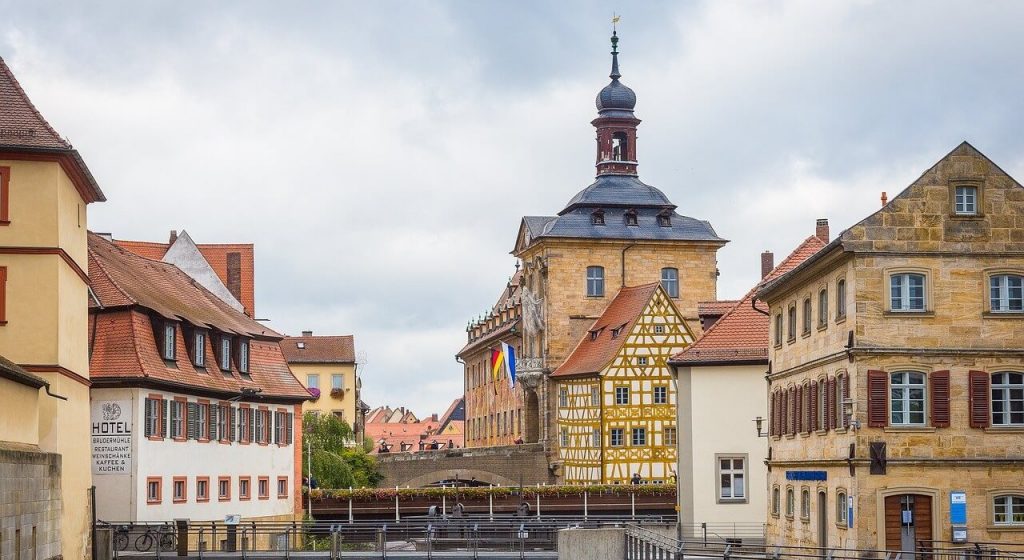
x=153 y=417
x=177 y=419
x=844 y=410
x=814 y=407
x=907 y=398
x=878 y=398
x=830 y=404
x=939 y=398
x=978 y=393
x=3 y=295
x=799 y=409
x=202 y=422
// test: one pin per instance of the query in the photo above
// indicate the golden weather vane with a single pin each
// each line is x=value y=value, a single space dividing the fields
x=615 y=20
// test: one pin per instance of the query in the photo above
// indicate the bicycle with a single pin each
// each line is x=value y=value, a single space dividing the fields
x=121 y=533
x=163 y=535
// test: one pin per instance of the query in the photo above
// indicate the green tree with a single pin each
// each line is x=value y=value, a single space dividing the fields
x=337 y=461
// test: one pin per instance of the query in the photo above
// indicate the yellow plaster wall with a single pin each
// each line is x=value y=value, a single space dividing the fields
x=34 y=204
x=71 y=221
x=19 y=413
x=31 y=333
x=327 y=404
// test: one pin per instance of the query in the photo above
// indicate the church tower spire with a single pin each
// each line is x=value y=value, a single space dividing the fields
x=616 y=124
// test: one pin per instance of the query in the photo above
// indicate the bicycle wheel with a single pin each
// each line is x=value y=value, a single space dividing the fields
x=168 y=541
x=144 y=542
x=121 y=541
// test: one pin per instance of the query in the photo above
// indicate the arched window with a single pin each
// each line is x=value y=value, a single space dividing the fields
x=823 y=307
x=807 y=316
x=670 y=281
x=597 y=217
x=840 y=299
x=790 y=502
x=630 y=218
x=1008 y=398
x=805 y=503
x=619 y=146
x=791 y=335
x=841 y=508
x=595 y=281
x=1006 y=293
x=775 y=500
x=778 y=329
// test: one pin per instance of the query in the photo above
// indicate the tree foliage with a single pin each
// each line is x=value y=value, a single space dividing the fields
x=337 y=461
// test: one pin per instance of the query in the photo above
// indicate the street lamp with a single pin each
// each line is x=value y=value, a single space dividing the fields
x=758 y=423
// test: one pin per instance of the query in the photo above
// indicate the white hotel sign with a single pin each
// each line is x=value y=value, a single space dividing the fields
x=111 y=437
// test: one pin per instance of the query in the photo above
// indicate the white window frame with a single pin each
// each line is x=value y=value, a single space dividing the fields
x=225 y=353
x=841 y=508
x=1003 y=394
x=595 y=437
x=641 y=360
x=663 y=391
x=622 y=395
x=638 y=437
x=170 y=336
x=900 y=281
x=965 y=200
x=905 y=387
x=670 y=281
x=595 y=281
x=659 y=329
x=312 y=380
x=564 y=437
x=337 y=381
x=670 y=441
x=732 y=473
x=1012 y=509
x=199 y=348
x=202 y=421
x=177 y=420
x=595 y=395
x=563 y=397
x=243 y=355
x=1000 y=299
x=616 y=437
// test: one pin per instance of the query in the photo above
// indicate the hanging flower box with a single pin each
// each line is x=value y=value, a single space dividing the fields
x=314 y=392
x=337 y=392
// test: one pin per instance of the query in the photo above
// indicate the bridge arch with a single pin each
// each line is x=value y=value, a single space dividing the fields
x=464 y=475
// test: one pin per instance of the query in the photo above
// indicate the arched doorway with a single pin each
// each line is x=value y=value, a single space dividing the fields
x=908 y=523
x=532 y=420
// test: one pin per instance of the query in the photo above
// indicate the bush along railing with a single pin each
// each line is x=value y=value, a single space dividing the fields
x=483 y=492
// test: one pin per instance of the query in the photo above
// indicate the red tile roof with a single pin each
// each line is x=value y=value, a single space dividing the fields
x=130 y=290
x=741 y=334
x=217 y=255
x=598 y=347
x=717 y=307
x=319 y=349
x=23 y=129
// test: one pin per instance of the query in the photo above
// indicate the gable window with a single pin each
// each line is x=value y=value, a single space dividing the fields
x=732 y=479
x=807 y=316
x=630 y=217
x=1008 y=510
x=243 y=355
x=670 y=436
x=1006 y=293
x=563 y=397
x=622 y=395
x=1008 y=398
x=199 y=348
x=167 y=346
x=659 y=329
x=791 y=334
x=665 y=219
x=907 y=395
x=225 y=353
x=840 y=299
x=616 y=437
x=966 y=200
x=906 y=292
x=641 y=361
x=823 y=308
x=660 y=394
x=670 y=281
x=595 y=281
x=639 y=437
x=597 y=217
x=778 y=329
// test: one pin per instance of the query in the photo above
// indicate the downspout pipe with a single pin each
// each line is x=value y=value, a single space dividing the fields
x=624 y=249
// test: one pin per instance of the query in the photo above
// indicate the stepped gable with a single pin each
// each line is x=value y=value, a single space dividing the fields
x=24 y=130
x=740 y=336
x=598 y=346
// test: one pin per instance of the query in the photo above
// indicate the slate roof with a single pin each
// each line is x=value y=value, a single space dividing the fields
x=578 y=224
x=130 y=289
x=618 y=191
x=741 y=334
x=319 y=349
x=24 y=129
x=594 y=352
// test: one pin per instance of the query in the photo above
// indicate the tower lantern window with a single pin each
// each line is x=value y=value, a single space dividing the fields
x=619 y=146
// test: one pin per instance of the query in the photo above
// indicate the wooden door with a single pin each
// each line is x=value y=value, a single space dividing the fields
x=921 y=519
x=892 y=522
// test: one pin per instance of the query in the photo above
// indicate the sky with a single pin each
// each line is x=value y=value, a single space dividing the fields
x=380 y=155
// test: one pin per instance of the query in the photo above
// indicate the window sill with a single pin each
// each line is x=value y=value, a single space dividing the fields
x=805 y=334
x=790 y=436
x=977 y=217
x=776 y=345
x=910 y=314
x=908 y=429
x=822 y=327
x=1011 y=528
x=805 y=519
x=804 y=435
x=153 y=502
x=202 y=500
x=842 y=430
x=1004 y=430
x=5 y=222
x=841 y=526
x=841 y=319
x=1002 y=315
x=791 y=340
x=224 y=499
x=727 y=502
x=821 y=432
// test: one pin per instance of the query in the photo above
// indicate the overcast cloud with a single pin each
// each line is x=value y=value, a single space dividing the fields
x=380 y=155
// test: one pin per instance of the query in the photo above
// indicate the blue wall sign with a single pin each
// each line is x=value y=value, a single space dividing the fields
x=957 y=507
x=806 y=475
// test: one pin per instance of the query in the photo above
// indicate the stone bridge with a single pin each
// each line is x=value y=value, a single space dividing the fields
x=508 y=466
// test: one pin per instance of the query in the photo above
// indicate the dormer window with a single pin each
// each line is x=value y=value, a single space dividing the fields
x=597 y=218
x=630 y=218
x=243 y=355
x=619 y=146
x=665 y=219
x=300 y=345
x=225 y=353
x=199 y=348
x=169 y=336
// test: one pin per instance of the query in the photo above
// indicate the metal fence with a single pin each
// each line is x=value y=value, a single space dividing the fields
x=509 y=537
x=645 y=544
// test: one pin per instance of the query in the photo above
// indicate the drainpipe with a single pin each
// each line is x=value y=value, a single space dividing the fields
x=626 y=248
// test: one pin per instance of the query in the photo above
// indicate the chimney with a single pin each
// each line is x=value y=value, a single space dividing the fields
x=433 y=417
x=767 y=263
x=821 y=229
x=174 y=237
x=885 y=198
x=307 y=333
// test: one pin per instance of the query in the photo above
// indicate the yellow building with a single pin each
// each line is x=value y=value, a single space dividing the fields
x=44 y=293
x=616 y=396
x=326 y=365
x=897 y=372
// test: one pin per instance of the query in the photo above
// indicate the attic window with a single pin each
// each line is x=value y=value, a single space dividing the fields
x=665 y=219
x=167 y=343
x=199 y=347
x=300 y=345
x=630 y=217
x=243 y=355
x=618 y=330
x=597 y=218
x=225 y=353
x=595 y=333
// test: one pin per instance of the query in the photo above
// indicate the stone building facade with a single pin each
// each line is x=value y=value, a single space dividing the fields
x=896 y=384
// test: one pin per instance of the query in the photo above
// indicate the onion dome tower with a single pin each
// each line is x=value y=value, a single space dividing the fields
x=615 y=124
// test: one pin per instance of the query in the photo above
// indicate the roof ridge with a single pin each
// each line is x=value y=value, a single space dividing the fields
x=24 y=95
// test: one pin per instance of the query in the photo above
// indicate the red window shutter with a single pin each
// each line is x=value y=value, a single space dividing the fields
x=775 y=414
x=785 y=412
x=830 y=403
x=980 y=399
x=3 y=294
x=793 y=405
x=878 y=398
x=799 y=409
x=940 y=398
x=846 y=396
x=814 y=406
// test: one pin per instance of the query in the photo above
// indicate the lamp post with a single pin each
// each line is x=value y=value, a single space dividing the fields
x=758 y=422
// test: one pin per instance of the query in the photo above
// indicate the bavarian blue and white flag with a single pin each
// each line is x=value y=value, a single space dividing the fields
x=509 y=354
